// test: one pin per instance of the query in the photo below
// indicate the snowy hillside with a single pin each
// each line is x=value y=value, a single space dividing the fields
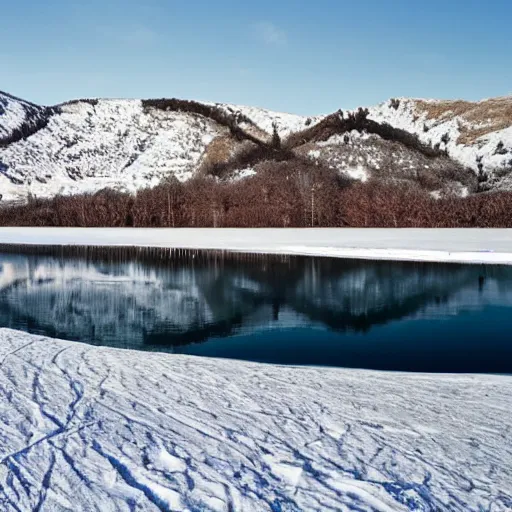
x=19 y=118
x=265 y=119
x=115 y=430
x=113 y=143
x=478 y=135
x=94 y=144
x=87 y=145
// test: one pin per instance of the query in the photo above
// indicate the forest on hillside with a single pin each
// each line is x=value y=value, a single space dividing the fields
x=281 y=194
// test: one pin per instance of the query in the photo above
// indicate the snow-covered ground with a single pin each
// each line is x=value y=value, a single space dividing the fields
x=443 y=245
x=114 y=144
x=408 y=116
x=100 y=429
x=14 y=112
x=265 y=119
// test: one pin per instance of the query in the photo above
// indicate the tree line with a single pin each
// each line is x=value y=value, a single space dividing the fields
x=281 y=194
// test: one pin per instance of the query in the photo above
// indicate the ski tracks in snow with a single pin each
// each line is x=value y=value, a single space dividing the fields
x=90 y=428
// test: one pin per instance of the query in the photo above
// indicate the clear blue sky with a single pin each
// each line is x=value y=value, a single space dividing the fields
x=295 y=56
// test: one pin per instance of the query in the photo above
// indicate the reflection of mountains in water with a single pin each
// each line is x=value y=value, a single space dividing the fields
x=186 y=299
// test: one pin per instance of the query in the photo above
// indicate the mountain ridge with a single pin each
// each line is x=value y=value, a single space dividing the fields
x=86 y=145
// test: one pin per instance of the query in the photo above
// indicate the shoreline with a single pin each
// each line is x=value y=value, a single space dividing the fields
x=475 y=246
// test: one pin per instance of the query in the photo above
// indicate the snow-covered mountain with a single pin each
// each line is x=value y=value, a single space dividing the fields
x=86 y=145
x=476 y=134
x=20 y=118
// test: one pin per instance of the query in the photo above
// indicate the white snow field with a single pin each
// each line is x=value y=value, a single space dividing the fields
x=86 y=428
x=493 y=246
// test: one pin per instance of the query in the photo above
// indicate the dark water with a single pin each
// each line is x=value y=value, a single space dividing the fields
x=288 y=310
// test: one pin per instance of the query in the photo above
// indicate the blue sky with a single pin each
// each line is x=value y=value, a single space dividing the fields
x=304 y=57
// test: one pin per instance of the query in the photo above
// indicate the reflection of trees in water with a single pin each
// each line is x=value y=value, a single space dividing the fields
x=181 y=300
x=355 y=295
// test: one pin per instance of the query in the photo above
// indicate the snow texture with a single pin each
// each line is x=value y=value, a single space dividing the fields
x=118 y=144
x=407 y=117
x=443 y=245
x=265 y=119
x=114 y=144
x=362 y=156
x=14 y=112
x=243 y=173
x=88 y=145
x=100 y=429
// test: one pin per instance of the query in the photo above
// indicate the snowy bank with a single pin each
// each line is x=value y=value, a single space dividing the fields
x=89 y=428
x=443 y=245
